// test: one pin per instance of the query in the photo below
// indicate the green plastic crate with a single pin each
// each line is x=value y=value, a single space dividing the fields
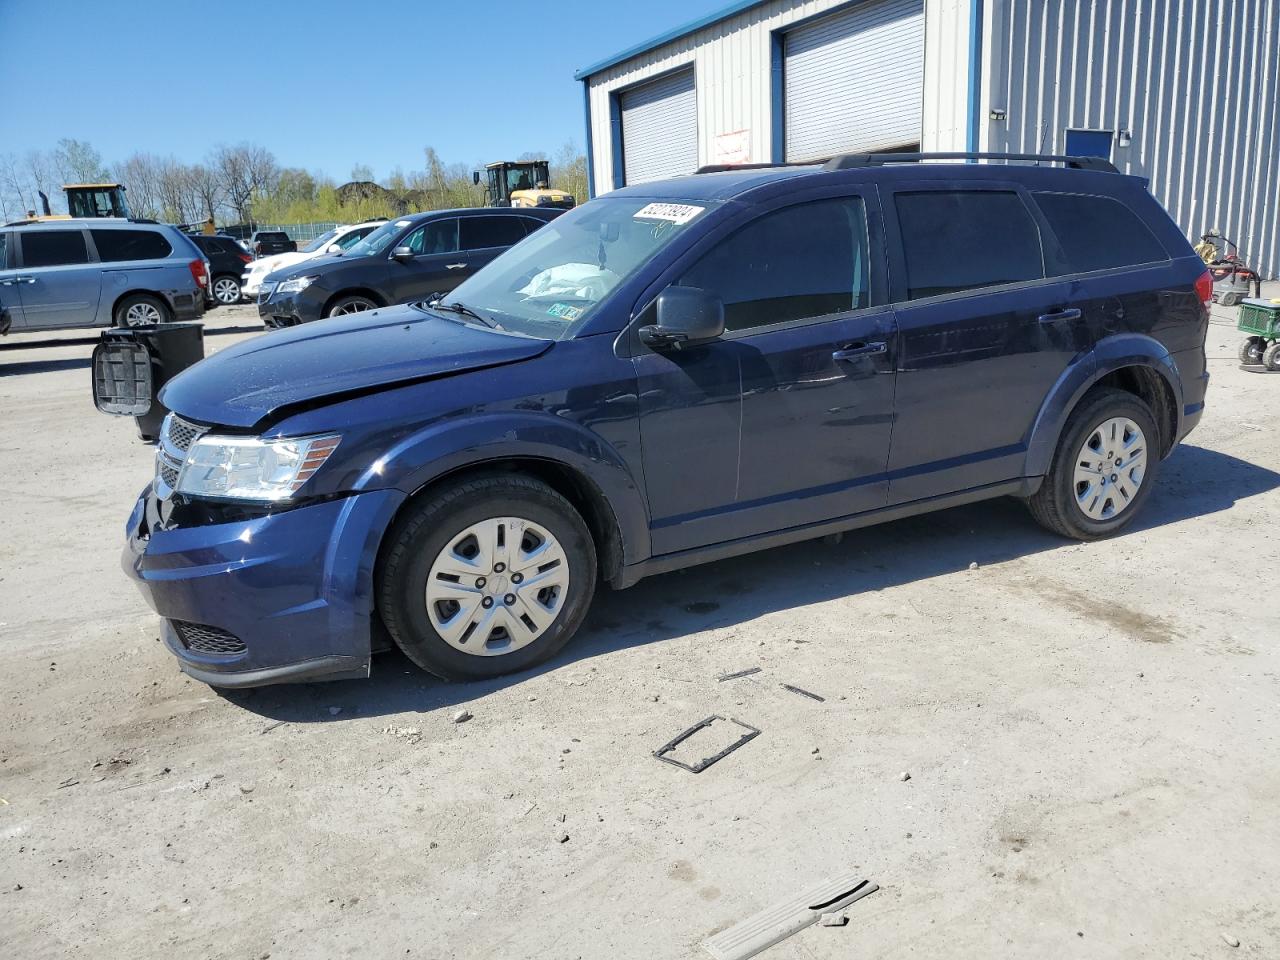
x=1261 y=318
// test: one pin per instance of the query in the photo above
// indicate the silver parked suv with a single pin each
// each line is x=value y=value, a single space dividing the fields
x=96 y=273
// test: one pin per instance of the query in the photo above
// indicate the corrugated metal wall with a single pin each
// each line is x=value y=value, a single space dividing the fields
x=1194 y=82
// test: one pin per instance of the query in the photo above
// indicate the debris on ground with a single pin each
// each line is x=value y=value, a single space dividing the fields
x=837 y=919
x=803 y=692
x=973 y=565
x=774 y=924
x=741 y=673
x=246 y=788
x=904 y=776
x=662 y=753
x=266 y=729
x=562 y=837
x=1229 y=940
x=462 y=716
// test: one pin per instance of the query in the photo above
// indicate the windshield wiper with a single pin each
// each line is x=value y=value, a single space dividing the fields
x=462 y=309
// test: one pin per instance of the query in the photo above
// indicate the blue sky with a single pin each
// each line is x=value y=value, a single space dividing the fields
x=322 y=84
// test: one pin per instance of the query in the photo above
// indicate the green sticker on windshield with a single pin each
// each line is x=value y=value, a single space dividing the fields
x=565 y=311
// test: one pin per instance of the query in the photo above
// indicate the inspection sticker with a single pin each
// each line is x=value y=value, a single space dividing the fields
x=677 y=213
x=565 y=311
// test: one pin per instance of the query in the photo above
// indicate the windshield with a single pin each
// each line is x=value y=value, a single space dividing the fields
x=320 y=242
x=561 y=272
x=379 y=240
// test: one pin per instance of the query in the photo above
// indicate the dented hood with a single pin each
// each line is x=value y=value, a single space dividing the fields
x=259 y=379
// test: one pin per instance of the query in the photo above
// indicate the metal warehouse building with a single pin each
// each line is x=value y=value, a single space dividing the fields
x=1183 y=93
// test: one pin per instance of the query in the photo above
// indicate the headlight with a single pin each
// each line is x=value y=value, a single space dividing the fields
x=249 y=468
x=296 y=285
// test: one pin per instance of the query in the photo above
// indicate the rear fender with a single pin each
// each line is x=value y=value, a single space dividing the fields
x=452 y=445
x=1109 y=355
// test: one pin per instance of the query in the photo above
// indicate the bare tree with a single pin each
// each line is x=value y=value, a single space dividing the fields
x=361 y=172
x=140 y=174
x=207 y=190
x=244 y=171
x=77 y=162
x=41 y=178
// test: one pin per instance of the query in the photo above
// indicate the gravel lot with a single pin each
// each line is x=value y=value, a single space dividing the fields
x=1090 y=733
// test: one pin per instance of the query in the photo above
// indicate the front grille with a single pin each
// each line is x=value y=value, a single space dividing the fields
x=199 y=638
x=176 y=437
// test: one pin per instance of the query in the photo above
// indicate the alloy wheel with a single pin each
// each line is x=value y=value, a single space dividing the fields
x=351 y=306
x=497 y=586
x=142 y=315
x=226 y=291
x=1110 y=468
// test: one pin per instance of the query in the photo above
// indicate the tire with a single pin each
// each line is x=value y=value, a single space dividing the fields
x=348 y=305
x=1077 y=508
x=434 y=537
x=141 y=310
x=226 y=290
x=1230 y=299
x=1271 y=357
x=1251 y=351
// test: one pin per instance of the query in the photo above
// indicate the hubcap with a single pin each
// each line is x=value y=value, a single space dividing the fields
x=497 y=586
x=226 y=291
x=141 y=315
x=1110 y=468
x=355 y=306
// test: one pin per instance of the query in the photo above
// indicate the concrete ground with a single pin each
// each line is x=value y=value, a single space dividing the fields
x=1089 y=730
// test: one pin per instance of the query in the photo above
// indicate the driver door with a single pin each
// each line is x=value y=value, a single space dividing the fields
x=436 y=266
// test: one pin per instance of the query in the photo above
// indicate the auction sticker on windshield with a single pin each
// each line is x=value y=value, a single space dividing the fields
x=565 y=311
x=677 y=213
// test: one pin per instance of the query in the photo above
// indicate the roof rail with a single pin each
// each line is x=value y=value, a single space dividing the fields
x=726 y=167
x=850 y=161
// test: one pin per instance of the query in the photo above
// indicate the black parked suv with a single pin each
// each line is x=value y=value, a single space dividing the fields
x=408 y=259
x=227 y=261
x=267 y=242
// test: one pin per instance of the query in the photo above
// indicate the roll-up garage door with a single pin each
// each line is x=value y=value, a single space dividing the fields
x=854 y=81
x=660 y=129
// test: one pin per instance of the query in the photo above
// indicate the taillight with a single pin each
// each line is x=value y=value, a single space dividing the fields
x=198 y=273
x=245 y=257
x=1204 y=287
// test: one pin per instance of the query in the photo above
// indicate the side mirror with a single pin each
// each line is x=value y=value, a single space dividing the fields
x=333 y=248
x=402 y=254
x=475 y=177
x=687 y=316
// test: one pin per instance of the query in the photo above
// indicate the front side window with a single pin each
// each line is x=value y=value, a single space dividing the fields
x=805 y=261
x=320 y=242
x=1098 y=233
x=115 y=246
x=380 y=239
x=53 y=248
x=480 y=233
x=957 y=240
x=349 y=240
x=438 y=236
x=554 y=281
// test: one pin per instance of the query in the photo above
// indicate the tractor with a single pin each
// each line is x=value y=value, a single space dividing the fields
x=92 y=200
x=523 y=183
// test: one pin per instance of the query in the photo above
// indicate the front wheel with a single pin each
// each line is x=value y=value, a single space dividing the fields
x=1103 y=469
x=348 y=305
x=491 y=576
x=1271 y=357
x=1251 y=350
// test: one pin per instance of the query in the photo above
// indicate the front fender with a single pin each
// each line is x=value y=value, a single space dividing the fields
x=1110 y=354
x=450 y=445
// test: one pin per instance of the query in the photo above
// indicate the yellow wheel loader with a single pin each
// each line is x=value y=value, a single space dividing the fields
x=523 y=183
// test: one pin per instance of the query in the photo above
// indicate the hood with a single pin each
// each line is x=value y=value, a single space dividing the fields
x=259 y=379
x=276 y=261
x=308 y=265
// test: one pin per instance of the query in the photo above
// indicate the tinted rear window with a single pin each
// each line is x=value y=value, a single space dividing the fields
x=4 y=241
x=481 y=232
x=273 y=236
x=1097 y=233
x=963 y=239
x=53 y=248
x=115 y=246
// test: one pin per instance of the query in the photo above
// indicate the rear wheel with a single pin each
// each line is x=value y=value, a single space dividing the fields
x=141 y=310
x=226 y=290
x=347 y=305
x=1103 y=468
x=1251 y=350
x=488 y=577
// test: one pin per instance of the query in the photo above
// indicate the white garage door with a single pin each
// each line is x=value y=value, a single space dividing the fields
x=660 y=129
x=855 y=81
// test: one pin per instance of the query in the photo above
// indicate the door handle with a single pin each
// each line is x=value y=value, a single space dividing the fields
x=1058 y=316
x=10 y=281
x=455 y=266
x=856 y=350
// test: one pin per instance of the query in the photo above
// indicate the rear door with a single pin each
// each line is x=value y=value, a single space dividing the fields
x=60 y=283
x=482 y=238
x=435 y=264
x=982 y=334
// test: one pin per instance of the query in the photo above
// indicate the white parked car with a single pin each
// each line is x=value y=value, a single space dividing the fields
x=342 y=237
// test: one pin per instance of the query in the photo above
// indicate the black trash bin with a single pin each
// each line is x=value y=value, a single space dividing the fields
x=131 y=364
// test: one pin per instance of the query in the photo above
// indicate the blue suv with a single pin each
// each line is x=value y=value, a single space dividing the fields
x=671 y=374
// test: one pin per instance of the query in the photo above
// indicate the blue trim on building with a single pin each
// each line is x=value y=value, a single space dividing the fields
x=615 y=137
x=975 y=75
x=777 y=96
x=591 y=158
x=722 y=14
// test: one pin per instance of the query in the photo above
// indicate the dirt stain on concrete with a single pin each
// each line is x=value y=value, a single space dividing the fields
x=1141 y=626
x=682 y=870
